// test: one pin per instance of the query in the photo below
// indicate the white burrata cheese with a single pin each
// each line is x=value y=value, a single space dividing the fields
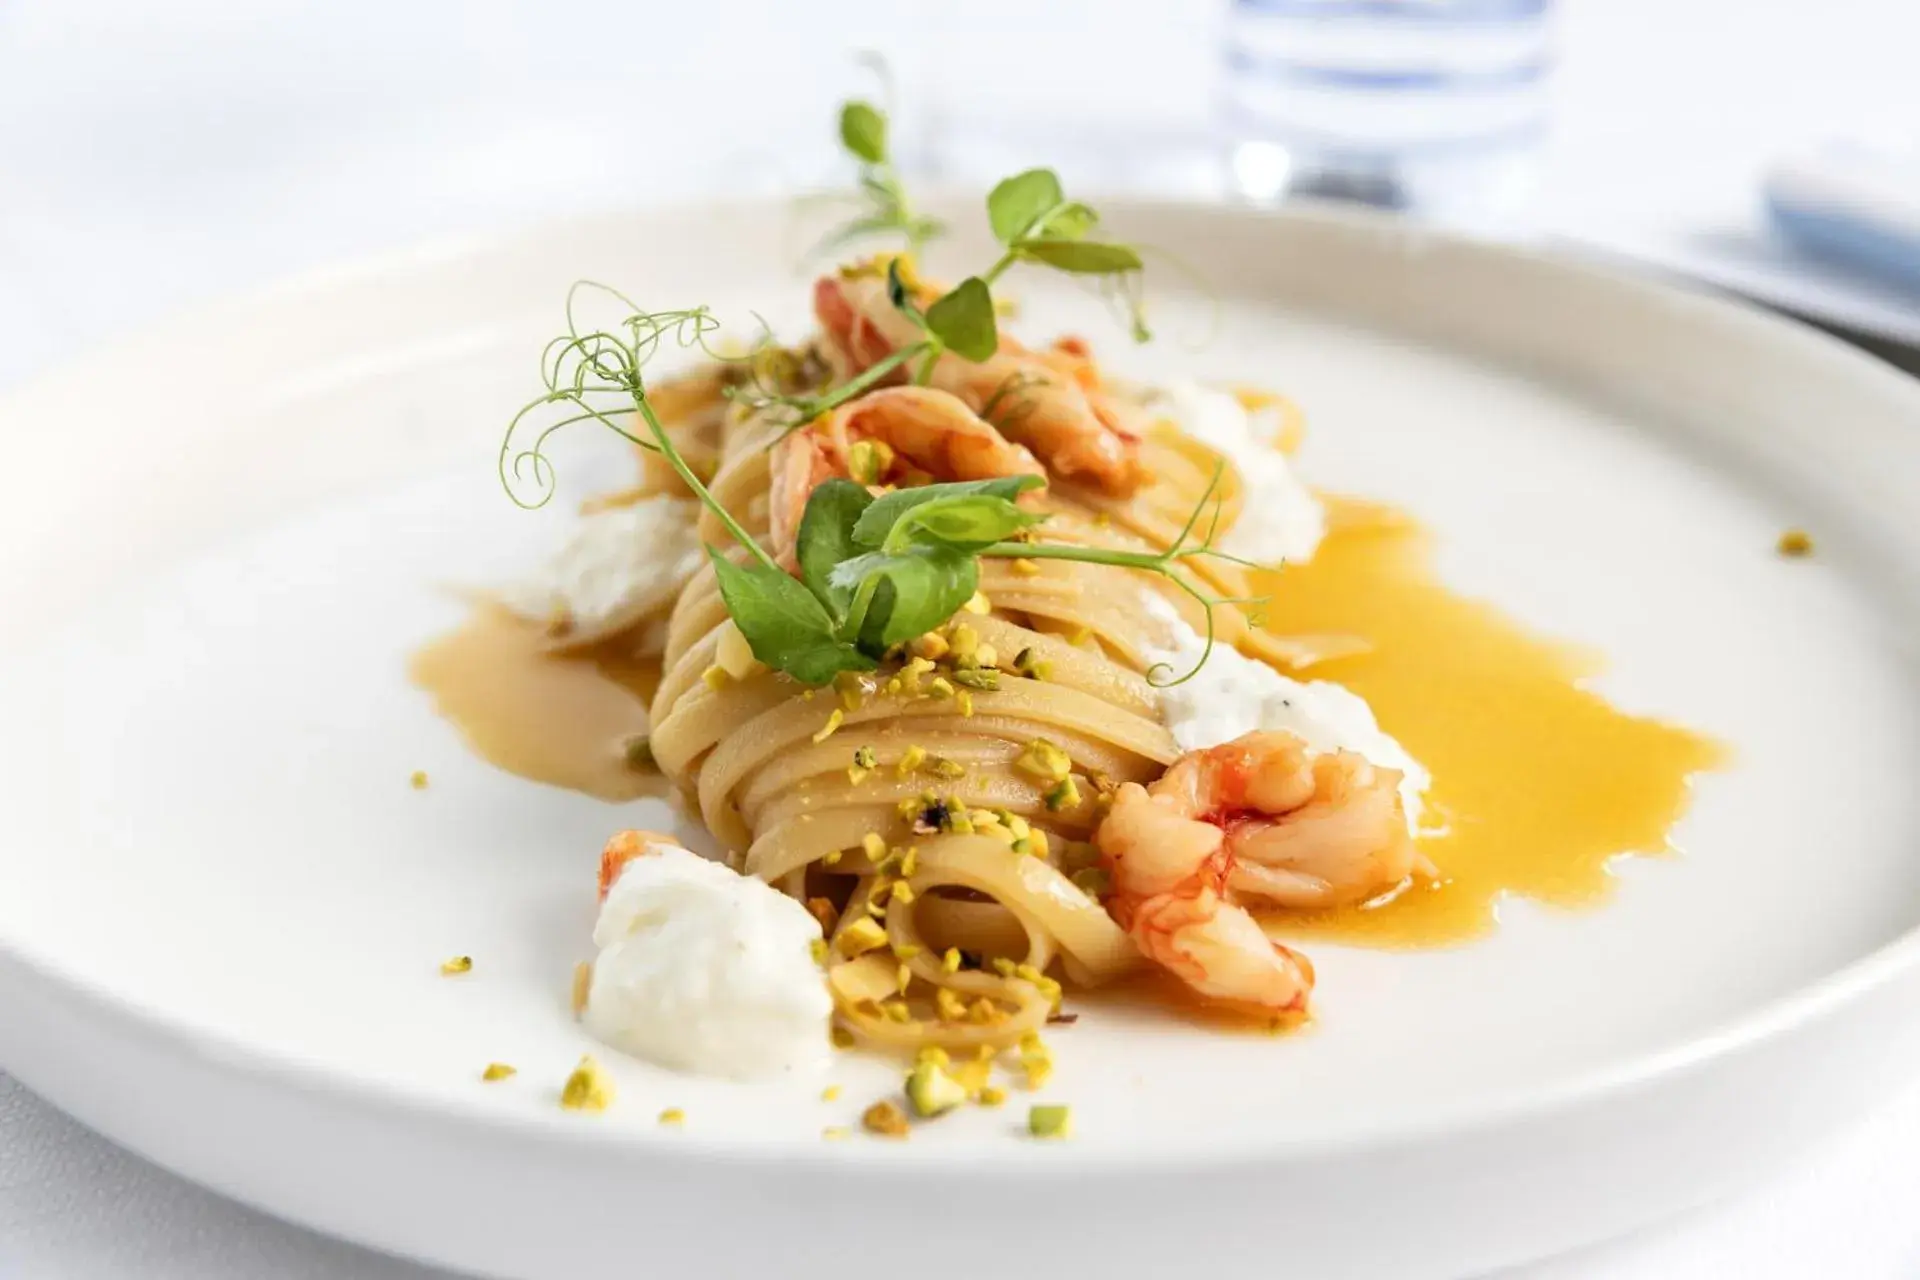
x=1232 y=694
x=705 y=970
x=619 y=564
x=1280 y=519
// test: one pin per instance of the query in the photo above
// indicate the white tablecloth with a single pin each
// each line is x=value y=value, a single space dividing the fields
x=157 y=155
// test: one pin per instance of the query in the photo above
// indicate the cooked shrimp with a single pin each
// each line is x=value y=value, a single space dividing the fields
x=924 y=430
x=624 y=847
x=1258 y=817
x=1082 y=433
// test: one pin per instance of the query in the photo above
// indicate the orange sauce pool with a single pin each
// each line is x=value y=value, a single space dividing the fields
x=552 y=717
x=1538 y=781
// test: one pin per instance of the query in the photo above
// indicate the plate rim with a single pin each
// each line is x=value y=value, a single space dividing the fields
x=1836 y=990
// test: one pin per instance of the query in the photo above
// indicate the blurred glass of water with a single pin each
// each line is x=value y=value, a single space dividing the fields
x=1434 y=107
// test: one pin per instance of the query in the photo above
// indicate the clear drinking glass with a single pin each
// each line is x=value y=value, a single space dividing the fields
x=1437 y=108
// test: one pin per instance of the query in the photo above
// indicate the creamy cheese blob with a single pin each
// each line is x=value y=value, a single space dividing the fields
x=620 y=564
x=705 y=970
x=1233 y=694
x=1280 y=518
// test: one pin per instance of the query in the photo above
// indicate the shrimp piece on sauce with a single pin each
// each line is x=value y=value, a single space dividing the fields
x=1259 y=817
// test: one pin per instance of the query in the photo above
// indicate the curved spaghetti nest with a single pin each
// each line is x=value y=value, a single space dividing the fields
x=937 y=816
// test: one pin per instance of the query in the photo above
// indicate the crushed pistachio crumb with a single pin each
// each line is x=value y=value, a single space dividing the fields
x=932 y=646
x=902 y=893
x=992 y=1095
x=455 y=965
x=1043 y=760
x=978 y=603
x=499 y=1071
x=910 y=759
x=965 y=642
x=841 y=1038
x=860 y=937
x=835 y=719
x=673 y=1115
x=830 y=1094
x=1064 y=795
x=588 y=1088
x=868 y=460
x=964 y=701
x=1795 y=543
x=948 y=1006
x=941 y=767
x=817 y=948
x=873 y=846
x=932 y=1092
x=886 y=1119
x=950 y=960
x=715 y=677
x=1025 y=568
x=902 y=978
x=1036 y=1060
x=830 y=858
x=983 y=678
x=582 y=984
x=940 y=687
x=1050 y=1122
x=865 y=757
x=419 y=780
x=896 y=1011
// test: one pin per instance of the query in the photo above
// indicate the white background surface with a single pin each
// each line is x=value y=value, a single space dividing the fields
x=153 y=156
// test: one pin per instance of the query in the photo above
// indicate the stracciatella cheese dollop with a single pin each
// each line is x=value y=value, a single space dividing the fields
x=619 y=564
x=705 y=970
x=1232 y=694
x=1280 y=519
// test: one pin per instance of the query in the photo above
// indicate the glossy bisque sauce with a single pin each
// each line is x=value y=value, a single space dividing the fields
x=554 y=718
x=1537 y=781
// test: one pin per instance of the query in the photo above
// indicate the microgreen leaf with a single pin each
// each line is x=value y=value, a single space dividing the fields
x=897 y=292
x=963 y=319
x=877 y=521
x=1071 y=221
x=1017 y=203
x=914 y=591
x=965 y=523
x=826 y=538
x=784 y=625
x=863 y=131
x=1082 y=257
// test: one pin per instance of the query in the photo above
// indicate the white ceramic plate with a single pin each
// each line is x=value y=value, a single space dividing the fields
x=224 y=907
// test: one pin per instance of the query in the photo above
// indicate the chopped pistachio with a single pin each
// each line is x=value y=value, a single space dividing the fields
x=715 y=677
x=1050 y=1122
x=851 y=690
x=909 y=863
x=910 y=759
x=859 y=937
x=865 y=757
x=1025 y=568
x=455 y=965
x=987 y=657
x=950 y=960
x=965 y=642
x=992 y=1095
x=818 y=950
x=1026 y=663
x=885 y=1119
x=841 y=1038
x=902 y=893
x=1795 y=543
x=868 y=460
x=1043 y=760
x=1064 y=795
x=498 y=1071
x=834 y=720
x=873 y=846
x=1040 y=843
x=588 y=1088
x=1035 y=1059
x=830 y=858
x=830 y=1094
x=418 y=780
x=1003 y=965
x=972 y=1075
x=941 y=767
x=902 y=977
x=896 y=1011
x=964 y=701
x=1023 y=845
x=932 y=646
x=948 y=1005
x=932 y=1092
x=940 y=687
x=673 y=1115
x=978 y=603
x=985 y=678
